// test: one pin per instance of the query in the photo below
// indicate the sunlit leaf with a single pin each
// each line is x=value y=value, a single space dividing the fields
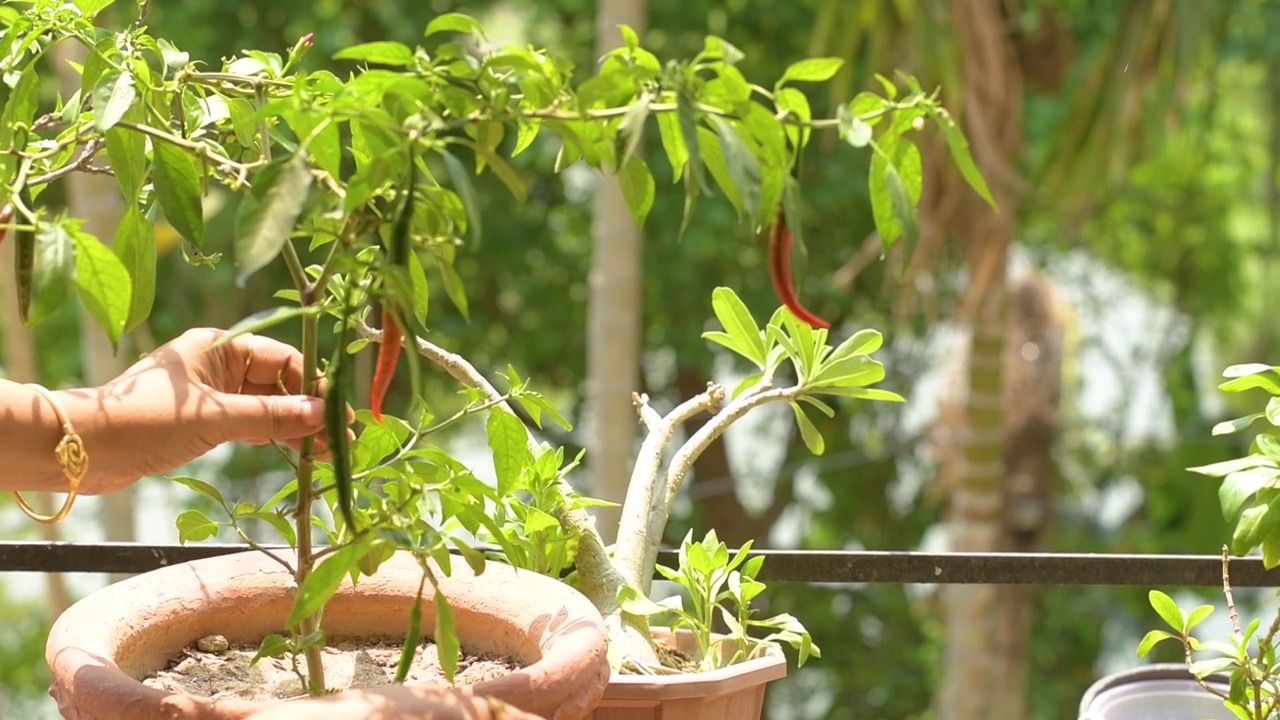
x=135 y=246
x=112 y=97
x=638 y=188
x=267 y=216
x=177 y=186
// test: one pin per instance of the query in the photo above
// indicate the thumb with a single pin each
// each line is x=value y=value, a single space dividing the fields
x=271 y=417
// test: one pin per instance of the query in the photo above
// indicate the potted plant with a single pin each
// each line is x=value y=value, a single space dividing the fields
x=1239 y=672
x=358 y=187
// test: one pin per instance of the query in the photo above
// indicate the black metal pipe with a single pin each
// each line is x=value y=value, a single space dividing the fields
x=792 y=566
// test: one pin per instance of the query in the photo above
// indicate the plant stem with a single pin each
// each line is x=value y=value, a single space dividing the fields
x=306 y=464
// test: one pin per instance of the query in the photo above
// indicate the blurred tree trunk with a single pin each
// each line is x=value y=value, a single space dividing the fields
x=613 y=313
x=1033 y=383
x=989 y=101
x=96 y=199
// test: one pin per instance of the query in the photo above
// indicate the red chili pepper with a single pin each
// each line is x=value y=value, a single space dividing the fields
x=6 y=214
x=388 y=356
x=780 y=271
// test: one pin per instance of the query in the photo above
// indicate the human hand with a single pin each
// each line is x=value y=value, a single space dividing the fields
x=185 y=398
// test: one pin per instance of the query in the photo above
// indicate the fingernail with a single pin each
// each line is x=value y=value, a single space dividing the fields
x=312 y=410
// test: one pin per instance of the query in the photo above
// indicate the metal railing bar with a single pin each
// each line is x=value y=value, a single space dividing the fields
x=791 y=566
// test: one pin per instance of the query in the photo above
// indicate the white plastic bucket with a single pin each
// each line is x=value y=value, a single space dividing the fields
x=1154 y=692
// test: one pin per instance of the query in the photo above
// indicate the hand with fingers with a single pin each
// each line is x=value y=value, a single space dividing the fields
x=172 y=406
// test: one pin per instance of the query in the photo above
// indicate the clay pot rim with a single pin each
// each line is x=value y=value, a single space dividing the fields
x=721 y=681
x=88 y=641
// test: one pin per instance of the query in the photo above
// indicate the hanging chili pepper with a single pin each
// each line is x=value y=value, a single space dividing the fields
x=24 y=261
x=388 y=356
x=780 y=271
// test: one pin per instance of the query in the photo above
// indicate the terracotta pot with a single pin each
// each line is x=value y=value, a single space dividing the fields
x=100 y=647
x=731 y=693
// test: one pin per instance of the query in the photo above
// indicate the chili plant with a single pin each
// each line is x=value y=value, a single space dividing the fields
x=360 y=185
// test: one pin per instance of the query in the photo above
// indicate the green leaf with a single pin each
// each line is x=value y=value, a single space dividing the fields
x=127 y=152
x=863 y=342
x=453 y=287
x=264 y=319
x=446 y=637
x=1273 y=411
x=1258 y=520
x=323 y=582
x=673 y=143
x=1167 y=609
x=20 y=108
x=381 y=52
x=466 y=191
x=632 y=602
x=796 y=104
x=505 y=173
x=1235 y=425
x=812 y=70
x=475 y=558
x=135 y=246
x=904 y=212
x=177 y=187
x=1151 y=639
x=453 y=22
x=1266 y=379
x=743 y=168
x=687 y=122
x=194 y=526
x=202 y=488
x=418 y=287
x=812 y=438
x=882 y=202
x=52 y=273
x=322 y=137
x=1195 y=617
x=508 y=442
x=1246 y=369
x=1239 y=486
x=638 y=188
x=631 y=129
x=1226 y=467
x=272 y=646
x=737 y=321
x=91 y=8
x=959 y=147
x=268 y=214
x=112 y=97
x=863 y=393
x=279 y=523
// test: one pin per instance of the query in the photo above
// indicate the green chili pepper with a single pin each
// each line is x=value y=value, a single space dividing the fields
x=412 y=636
x=335 y=425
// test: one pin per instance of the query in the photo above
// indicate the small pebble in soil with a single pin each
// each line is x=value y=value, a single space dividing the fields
x=213 y=644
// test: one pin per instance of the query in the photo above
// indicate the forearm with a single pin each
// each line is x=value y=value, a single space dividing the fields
x=30 y=431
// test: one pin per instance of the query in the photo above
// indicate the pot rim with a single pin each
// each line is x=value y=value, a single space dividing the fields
x=539 y=620
x=1140 y=674
x=721 y=681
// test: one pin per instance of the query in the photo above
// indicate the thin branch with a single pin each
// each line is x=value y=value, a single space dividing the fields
x=648 y=415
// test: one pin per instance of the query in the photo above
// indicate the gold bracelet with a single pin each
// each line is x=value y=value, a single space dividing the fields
x=71 y=456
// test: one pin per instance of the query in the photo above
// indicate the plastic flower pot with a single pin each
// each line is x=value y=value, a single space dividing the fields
x=735 y=692
x=1154 y=692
